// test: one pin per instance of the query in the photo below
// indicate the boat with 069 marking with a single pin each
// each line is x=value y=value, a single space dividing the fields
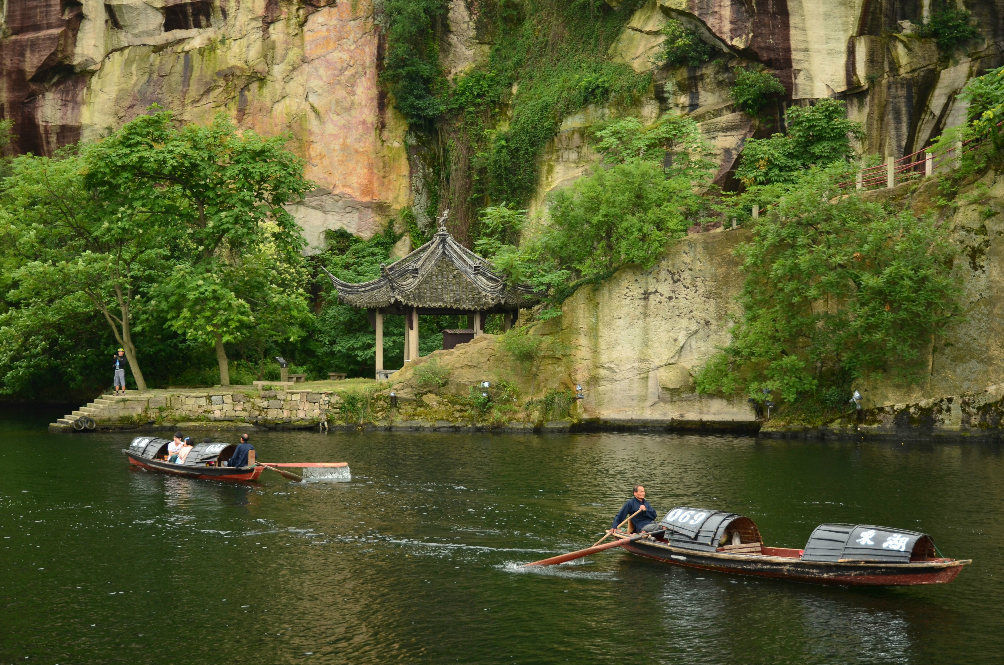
x=848 y=554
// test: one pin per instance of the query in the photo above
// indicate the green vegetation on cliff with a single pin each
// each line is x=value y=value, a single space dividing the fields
x=836 y=287
x=624 y=212
x=817 y=135
x=684 y=46
x=950 y=28
x=754 y=88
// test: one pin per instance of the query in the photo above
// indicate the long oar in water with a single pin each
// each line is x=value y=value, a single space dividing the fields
x=562 y=558
x=328 y=471
x=284 y=474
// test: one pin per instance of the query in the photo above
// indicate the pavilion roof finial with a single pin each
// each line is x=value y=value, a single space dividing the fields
x=441 y=222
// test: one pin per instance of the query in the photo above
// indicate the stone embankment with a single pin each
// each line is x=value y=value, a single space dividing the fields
x=349 y=404
x=969 y=416
x=216 y=407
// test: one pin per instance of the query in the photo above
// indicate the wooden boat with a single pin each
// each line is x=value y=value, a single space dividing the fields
x=848 y=554
x=203 y=461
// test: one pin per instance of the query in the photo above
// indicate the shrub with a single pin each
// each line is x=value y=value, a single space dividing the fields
x=354 y=406
x=983 y=130
x=683 y=46
x=950 y=28
x=430 y=375
x=753 y=88
x=554 y=405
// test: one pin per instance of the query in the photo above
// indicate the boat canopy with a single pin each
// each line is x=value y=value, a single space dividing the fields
x=865 y=542
x=150 y=447
x=704 y=529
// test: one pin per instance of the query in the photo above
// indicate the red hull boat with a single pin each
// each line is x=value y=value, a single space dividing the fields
x=204 y=460
x=846 y=554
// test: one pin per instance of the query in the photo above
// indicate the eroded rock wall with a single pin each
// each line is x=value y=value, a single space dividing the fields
x=899 y=86
x=78 y=70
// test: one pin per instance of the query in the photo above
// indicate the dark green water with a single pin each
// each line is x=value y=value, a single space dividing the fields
x=412 y=561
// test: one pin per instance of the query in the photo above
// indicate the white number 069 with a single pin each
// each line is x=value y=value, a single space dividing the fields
x=685 y=516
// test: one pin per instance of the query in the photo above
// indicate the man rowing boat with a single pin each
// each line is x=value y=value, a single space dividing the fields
x=636 y=504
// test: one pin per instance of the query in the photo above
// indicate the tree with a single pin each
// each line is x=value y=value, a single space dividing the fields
x=220 y=195
x=836 y=287
x=71 y=251
x=817 y=135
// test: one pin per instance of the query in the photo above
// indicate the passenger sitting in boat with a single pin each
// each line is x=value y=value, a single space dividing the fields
x=643 y=519
x=183 y=451
x=243 y=454
x=174 y=447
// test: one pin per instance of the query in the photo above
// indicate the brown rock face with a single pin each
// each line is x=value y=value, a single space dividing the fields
x=78 y=70
x=40 y=36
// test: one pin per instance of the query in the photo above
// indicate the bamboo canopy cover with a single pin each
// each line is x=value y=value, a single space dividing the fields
x=441 y=274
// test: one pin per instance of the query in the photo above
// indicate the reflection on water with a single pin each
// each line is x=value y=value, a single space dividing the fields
x=416 y=559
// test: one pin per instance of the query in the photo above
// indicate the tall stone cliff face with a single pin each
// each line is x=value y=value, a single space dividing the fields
x=898 y=85
x=78 y=70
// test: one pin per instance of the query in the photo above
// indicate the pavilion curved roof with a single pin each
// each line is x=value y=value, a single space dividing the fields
x=441 y=274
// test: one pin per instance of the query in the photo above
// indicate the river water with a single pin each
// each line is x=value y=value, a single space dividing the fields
x=413 y=561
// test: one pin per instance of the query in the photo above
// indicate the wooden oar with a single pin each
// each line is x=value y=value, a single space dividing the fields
x=312 y=465
x=609 y=533
x=562 y=558
x=285 y=474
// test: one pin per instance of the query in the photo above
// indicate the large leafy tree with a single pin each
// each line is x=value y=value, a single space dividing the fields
x=69 y=253
x=219 y=194
x=836 y=287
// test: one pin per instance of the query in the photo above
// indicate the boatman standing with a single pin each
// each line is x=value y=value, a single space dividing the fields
x=633 y=505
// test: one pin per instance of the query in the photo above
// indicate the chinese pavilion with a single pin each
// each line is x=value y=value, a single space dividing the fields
x=442 y=277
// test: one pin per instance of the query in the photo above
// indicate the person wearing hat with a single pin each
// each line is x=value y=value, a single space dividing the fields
x=118 y=365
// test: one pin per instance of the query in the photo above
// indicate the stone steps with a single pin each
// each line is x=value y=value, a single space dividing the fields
x=92 y=410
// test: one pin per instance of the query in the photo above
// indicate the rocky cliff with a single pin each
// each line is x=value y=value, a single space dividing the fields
x=72 y=70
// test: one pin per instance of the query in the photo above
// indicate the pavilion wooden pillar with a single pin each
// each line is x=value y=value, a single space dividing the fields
x=379 y=342
x=413 y=337
x=407 y=335
x=506 y=321
x=479 y=323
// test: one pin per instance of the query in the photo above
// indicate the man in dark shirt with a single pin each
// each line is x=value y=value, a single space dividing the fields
x=633 y=505
x=118 y=367
x=240 y=456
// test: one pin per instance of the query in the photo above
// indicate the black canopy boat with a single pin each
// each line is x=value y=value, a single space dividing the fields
x=204 y=460
x=849 y=554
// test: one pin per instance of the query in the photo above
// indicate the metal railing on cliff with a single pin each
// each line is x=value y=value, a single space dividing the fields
x=921 y=164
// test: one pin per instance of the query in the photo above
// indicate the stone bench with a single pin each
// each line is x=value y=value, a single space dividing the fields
x=297 y=378
x=261 y=384
x=336 y=376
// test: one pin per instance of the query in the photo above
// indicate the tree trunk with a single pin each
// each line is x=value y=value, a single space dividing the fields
x=130 y=354
x=221 y=357
x=129 y=347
